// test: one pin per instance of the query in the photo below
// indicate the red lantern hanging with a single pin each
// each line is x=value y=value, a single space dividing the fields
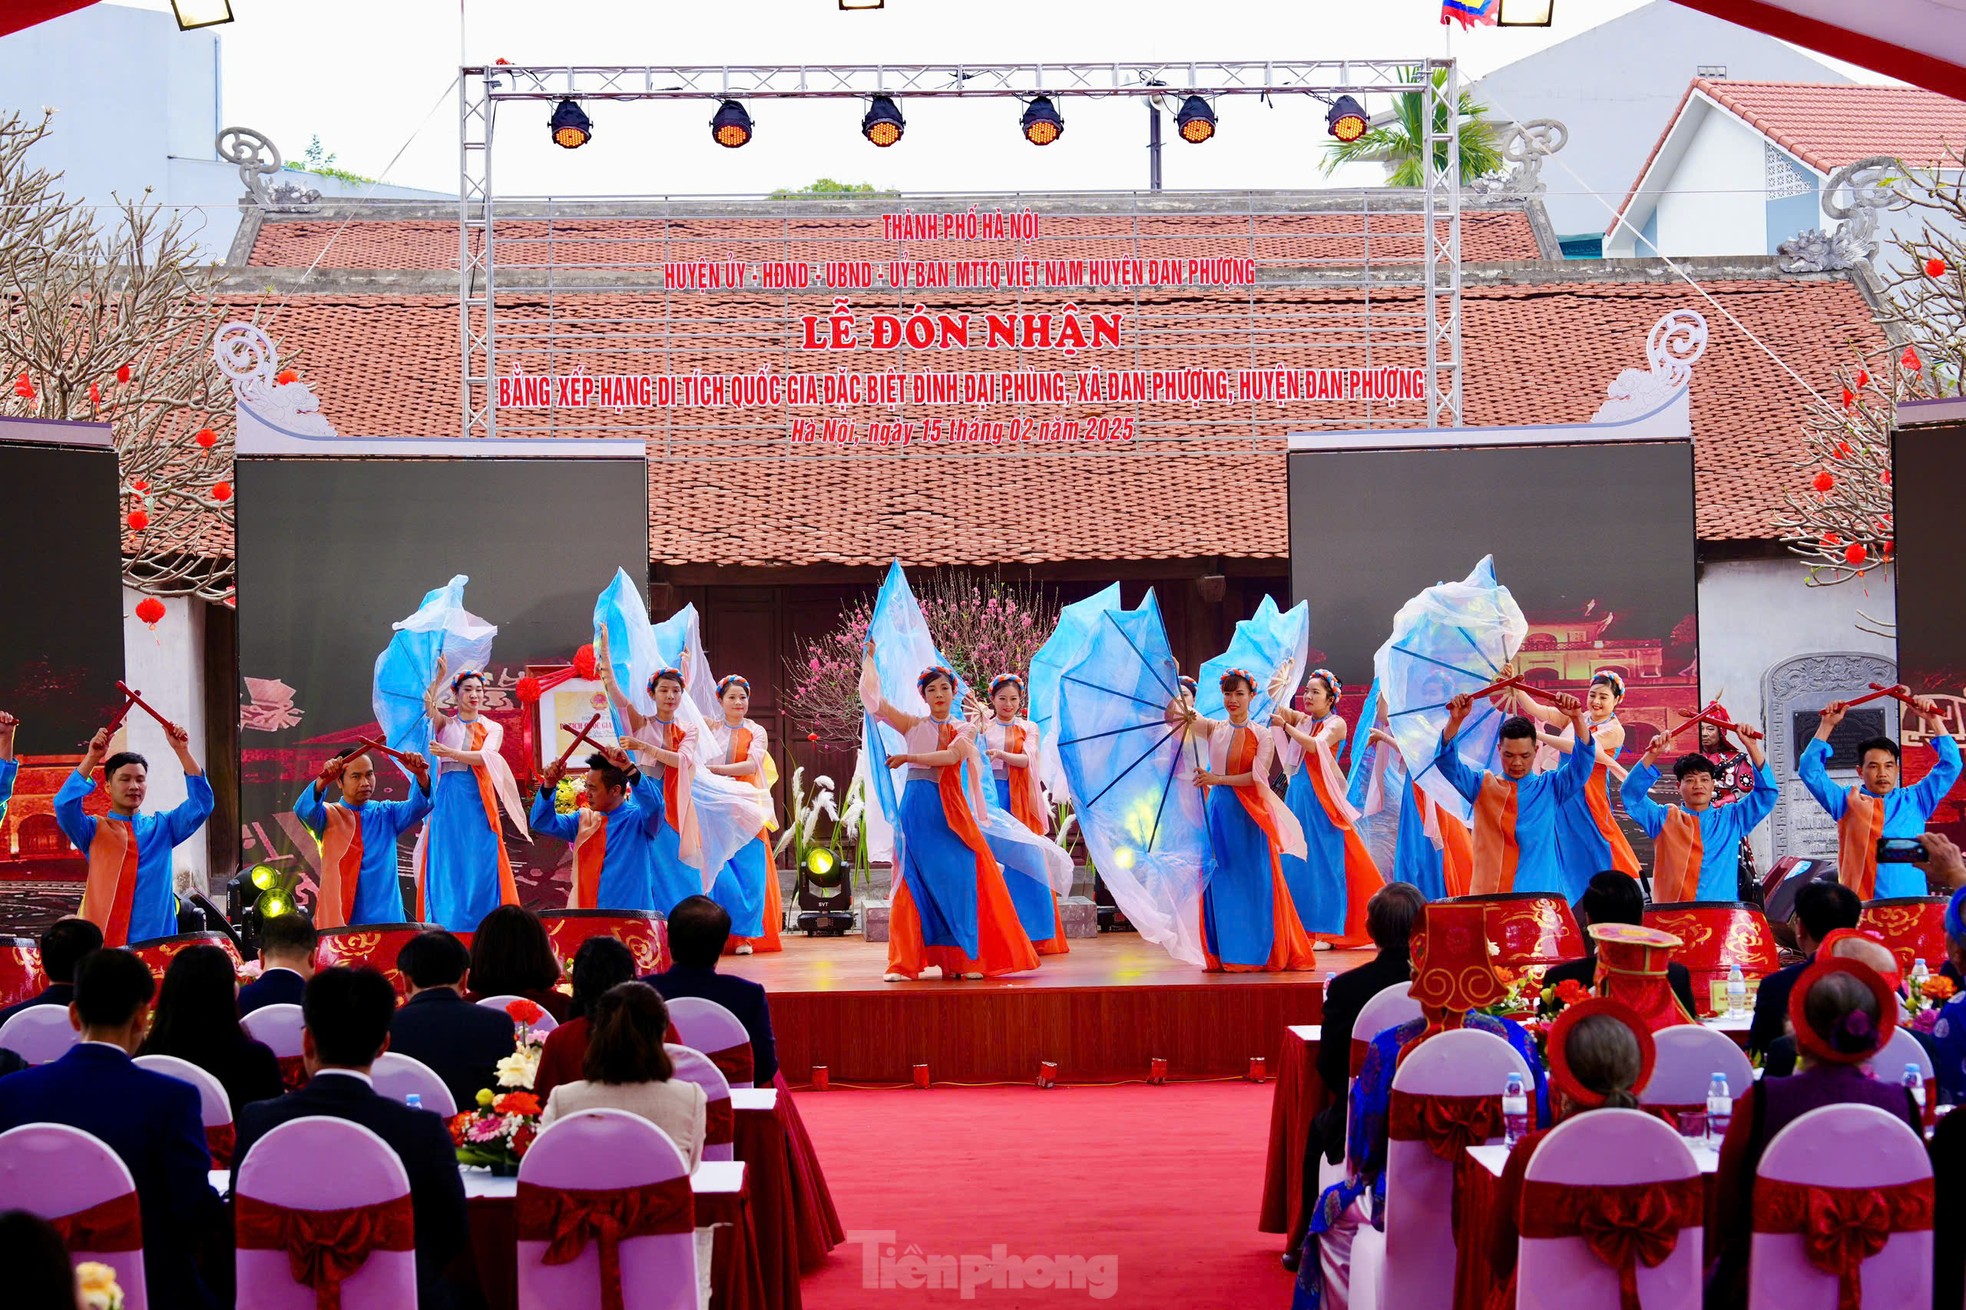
x=151 y=611
x=1855 y=553
x=583 y=663
x=140 y=486
x=1910 y=360
x=286 y=375
x=1863 y=378
x=138 y=520
x=24 y=387
x=95 y=395
x=1831 y=540
x=1935 y=267
x=123 y=373
x=221 y=491
x=1843 y=450
x=1824 y=482
x=206 y=438
x=1849 y=398
x=812 y=736
x=1885 y=477
x=1885 y=549
x=528 y=690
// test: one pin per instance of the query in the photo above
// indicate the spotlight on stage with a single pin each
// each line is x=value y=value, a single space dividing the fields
x=191 y=14
x=824 y=894
x=883 y=124
x=1041 y=122
x=1526 y=13
x=1196 y=121
x=571 y=126
x=264 y=877
x=1346 y=119
x=730 y=127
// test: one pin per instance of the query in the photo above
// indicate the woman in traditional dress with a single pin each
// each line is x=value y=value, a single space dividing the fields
x=949 y=907
x=463 y=872
x=1331 y=885
x=667 y=749
x=1588 y=840
x=1433 y=849
x=1010 y=743
x=747 y=887
x=1248 y=920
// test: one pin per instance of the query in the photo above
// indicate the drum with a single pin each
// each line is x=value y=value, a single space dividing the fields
x=371 y=945
x=1914 y=927
x=158 y=952
x=1716 y=936
x=20 y=970
x=647 y=935
x=1530 y=928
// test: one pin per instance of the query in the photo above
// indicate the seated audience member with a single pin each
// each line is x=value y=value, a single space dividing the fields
x=1844 y=944
x=462 y=1042
x=1600 y=1054
x=600 y=963
x=698 y=929
x=197 y=1020
x=627 y=1068
x=63 y=944
x=38 y=1273
x=152 y=1122
x=1949 y=1210
x=1820 y=909
x=1390 y=917
x=1842 y=1012
x=347 y=1014
x=511 y=955
x=1614 y=897
x=287 y=943
x=1949 y=1032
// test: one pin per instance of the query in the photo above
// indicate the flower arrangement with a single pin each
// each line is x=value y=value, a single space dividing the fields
x=570 y=795
x=98 y=1286
x=1523 y=994
x=1926 y=999
x=500 y=1128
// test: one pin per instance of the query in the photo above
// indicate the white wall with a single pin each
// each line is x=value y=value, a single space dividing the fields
x=167 y=665
x=1714 y=202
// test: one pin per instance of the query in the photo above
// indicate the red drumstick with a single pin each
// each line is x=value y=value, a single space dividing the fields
x=1900 y=693
x=1514 y=684
x=579 y=735
x=367 y=745
x=133 y=697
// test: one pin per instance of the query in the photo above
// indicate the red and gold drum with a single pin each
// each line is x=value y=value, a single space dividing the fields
x=20 y=970
x=158 y=952
x=1530 y=928
x=368 y=945
x=647 y=935
x=1716 y=936
x=1914 y=927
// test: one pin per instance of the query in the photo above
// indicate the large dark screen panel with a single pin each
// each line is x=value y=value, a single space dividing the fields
x=332 y=552
x=1929 y=468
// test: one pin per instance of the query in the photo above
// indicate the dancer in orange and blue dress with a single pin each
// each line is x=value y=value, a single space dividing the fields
x=667 y=749
x=463 y=871
x=1337 y=876
x=950 y=908
x=1588 y=839
x=747 y=886
x=1249 y=921
x=1010 y=743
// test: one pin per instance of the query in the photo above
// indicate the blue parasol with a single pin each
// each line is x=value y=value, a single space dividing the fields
x=1131 y=780
x=1451 y=639
x=1271 y=645
x=440 y=628
x=1060 y=651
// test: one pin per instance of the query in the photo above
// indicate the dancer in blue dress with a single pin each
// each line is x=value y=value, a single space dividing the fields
x=463 y=871
x=747 y=886
x=1336 y=877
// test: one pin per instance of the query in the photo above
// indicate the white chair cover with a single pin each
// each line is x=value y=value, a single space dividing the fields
x=1689 y=1056
x=545 y=1023
x=1389 y=1008
x=39 y=1033
x=215 y=1105
x=396 y=1076
x=693 y=1066
x=278 y=1026
x=54 y=1171
x=710 y=1028
x=322 y=1163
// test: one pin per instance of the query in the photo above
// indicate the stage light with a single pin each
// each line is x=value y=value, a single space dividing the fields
x=264 y=876
x=851 y=5
x=1196 y=121
x=1526 y=13
x=571 y=127
x=883 y=124
x=201 y=13
x=820 y=863
x=272 y=905
x=731 y=125
x=1346 y=119
x=1041 y=122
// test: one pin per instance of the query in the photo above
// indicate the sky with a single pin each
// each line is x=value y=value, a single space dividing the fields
x=377 y=79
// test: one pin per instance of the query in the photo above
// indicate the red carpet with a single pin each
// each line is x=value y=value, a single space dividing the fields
x=1149 y=1193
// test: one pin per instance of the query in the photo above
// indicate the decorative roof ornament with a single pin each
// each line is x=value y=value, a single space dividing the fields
x=1526 y=146
x=259 y=159
x=248 y=357
x=1871 y=186
x=1674 y=345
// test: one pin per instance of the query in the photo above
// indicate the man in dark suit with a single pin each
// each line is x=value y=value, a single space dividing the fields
x=462 y=1041
x=347 y=1014
x=1614 y=897
x=1820 y=909
x=286 y=957
x=152 y=1122
x=698 y=929
x=1391 y=916
x=63 y=944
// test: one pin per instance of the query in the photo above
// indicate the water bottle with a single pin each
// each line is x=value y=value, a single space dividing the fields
x=1919 y=973
x=1720 y=1108
x=1737 y=992
x=1515 y=1110
x=414 y=1101
x=1915 y=1084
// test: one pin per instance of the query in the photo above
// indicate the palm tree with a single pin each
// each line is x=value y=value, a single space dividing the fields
x=1401 y=143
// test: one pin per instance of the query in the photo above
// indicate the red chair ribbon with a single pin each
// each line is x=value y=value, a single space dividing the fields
x=325 y=1247
x=293 y=1072
x=112 y=1225
x=219 y=1140
x=1449 y=1125
x=1355 y=1058
x=734 y=1062
x=566 y=1219
x=719 y=1122
x=1622 y=1225
x=1841 y=1227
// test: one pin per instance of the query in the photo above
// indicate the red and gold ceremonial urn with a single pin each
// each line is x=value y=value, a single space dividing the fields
x=1715 y=936
x=368 y=945
x=1529 y=929
x=645 y=934
x=20 y=970
x=1914 y=927
x=158 y=952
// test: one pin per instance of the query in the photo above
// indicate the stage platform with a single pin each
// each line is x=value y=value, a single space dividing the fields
x=1102 y=1011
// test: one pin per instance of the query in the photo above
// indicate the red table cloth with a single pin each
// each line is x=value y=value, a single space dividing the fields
x=812 y=1205
x=1300 y=1095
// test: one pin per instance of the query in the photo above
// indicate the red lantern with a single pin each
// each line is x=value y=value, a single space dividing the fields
x=151 y=611
x=1910 y=360
x=1824 y=481
x=1831 y=539
x=1935 y=267
x=528 y=690
x=1842 y=450
x=138 y=520
x=1885 y=477
x=95 y=394
x=583 y=663
x=123 y=373
x=1855 y=553
x=221 y=491
x=812 y=736
x=1885 y=549
x=206 y=438
x=24 y=387
x=1863 y=378
x=286 y=375
x=1849 y=398
x=140 y=486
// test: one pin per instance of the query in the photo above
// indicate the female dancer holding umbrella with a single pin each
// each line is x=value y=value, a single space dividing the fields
x=464 y=840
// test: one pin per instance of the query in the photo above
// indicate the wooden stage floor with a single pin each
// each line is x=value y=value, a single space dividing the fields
x=1101 y=1011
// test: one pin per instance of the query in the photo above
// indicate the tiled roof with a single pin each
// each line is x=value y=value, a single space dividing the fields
x=596 y=244
x=1535 y=353
x=1830 y=124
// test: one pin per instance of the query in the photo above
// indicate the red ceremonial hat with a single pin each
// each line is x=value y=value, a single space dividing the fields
x=1631 y=967
x=1856 y=1038
x=1558 y=1055
x=1452 y=969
